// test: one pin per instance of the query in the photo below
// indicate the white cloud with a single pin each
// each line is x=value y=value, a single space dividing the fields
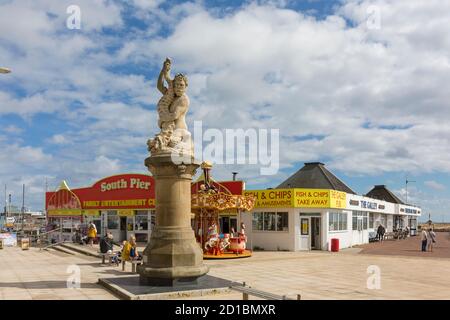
x=59 y=139
x=12 y=129
x=259 y=66
x=435 y=185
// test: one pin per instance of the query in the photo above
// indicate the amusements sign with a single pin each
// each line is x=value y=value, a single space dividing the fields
x=276 y=198
x=299 y=198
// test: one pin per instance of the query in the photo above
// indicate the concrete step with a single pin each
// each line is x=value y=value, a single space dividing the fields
x=64 y=250
x=80 y=249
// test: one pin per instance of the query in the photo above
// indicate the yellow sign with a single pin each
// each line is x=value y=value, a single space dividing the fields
x=298 y=198
x=273 y=198
x=64 y=212
x=312 y=198
x=119 y=203
x=126 y=213
x=95 y=213
x=338 y=199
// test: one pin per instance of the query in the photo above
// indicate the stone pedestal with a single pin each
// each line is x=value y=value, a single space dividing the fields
x=172 y=257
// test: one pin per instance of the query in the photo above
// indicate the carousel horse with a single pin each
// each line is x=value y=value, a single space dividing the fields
x=225 y=243
x=213 y=240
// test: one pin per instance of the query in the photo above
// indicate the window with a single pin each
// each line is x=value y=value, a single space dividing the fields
x=130 y=223
x=337 y=221
x=141 y=221
x=304 y=227
x=282 y=221
x=270 y=221
x=343 y=221
x=257 y=221
x=113 y=220
x=360 y=220
x=371 y=219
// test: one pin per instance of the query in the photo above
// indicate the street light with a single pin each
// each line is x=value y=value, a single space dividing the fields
x=5 y=70
x=407 y=181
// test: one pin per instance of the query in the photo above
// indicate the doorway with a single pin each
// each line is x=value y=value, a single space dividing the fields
x=315 y=234
x=123 y=228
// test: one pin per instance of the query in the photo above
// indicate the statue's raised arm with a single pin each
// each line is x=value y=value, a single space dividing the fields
x=164 y=75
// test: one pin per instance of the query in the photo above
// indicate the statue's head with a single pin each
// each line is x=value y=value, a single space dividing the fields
x=180 y=84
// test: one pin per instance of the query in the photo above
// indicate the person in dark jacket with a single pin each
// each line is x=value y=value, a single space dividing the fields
x=106 y=244
x=380 y=232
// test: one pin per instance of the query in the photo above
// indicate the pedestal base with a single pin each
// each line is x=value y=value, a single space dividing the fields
x=173 y=255
x=169 y=282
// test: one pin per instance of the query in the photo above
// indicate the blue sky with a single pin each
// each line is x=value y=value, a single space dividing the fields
x=369 y=102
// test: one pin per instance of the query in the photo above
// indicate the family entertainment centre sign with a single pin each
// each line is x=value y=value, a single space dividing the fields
x=298 y=198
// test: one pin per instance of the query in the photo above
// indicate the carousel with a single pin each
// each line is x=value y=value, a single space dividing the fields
x=210 y=200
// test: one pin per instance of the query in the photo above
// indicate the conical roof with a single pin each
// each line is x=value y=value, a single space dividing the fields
x=381 y=192
x=314 y=175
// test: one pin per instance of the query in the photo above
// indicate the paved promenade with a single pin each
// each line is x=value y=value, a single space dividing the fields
x=315 y=275
x=410 y=247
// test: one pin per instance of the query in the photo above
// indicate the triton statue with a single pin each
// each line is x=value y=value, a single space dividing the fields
x=172 y=108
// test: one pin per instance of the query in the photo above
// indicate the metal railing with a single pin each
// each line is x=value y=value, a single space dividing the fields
x=44 y=241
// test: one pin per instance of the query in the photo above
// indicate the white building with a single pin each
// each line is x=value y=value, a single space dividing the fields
x=313 y=206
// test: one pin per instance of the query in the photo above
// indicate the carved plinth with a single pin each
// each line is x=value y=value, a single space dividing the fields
x=172 y=256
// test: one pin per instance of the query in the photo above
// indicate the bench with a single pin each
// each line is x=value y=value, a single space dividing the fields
x=249 y=291
x=373 y=236
x=107 y=255
x=134 y=263
x=389 y=235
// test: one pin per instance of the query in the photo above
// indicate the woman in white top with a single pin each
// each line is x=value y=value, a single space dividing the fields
x=431 y=239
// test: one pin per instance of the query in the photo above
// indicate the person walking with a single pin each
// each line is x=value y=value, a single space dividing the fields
x=92 y=233
x=424 y=238
x=431 y=240
x=380 y=232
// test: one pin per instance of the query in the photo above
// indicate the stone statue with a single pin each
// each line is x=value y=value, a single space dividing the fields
x=174 y=137
x=172 y=257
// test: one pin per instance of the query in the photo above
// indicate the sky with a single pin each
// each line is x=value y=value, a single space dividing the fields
x=360 y=85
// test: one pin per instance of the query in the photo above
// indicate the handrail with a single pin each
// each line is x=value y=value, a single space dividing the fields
x=249 y=291
x=45 y=234
x=54 y=230
x=52 y=245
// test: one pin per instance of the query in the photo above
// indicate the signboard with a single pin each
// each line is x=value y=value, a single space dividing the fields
x=305 y=227
x=299 y=198
x=124 y=191
x=64 y=212
x=25 y=243
x=9 y=239
x=273 y=198
x=95 y=213
x=126 y=213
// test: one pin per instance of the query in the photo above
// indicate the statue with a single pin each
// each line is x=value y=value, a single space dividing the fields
x=174 y=137
x=172 y=257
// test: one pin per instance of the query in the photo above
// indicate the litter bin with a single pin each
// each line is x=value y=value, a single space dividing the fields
x=334 y=245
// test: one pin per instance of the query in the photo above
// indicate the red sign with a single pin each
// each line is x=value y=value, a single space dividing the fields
x=125 y=191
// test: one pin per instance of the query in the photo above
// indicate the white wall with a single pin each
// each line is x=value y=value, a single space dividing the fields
x=345 y=237
x=270 y=240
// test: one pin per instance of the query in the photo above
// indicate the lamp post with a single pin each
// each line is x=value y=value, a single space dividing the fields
x=5 y=70
x=407 y=181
